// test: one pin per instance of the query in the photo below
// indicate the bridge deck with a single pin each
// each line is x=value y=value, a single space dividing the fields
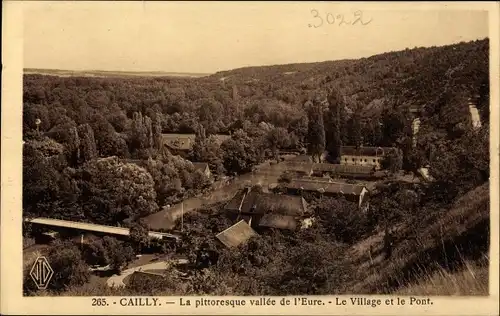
x=111 y=230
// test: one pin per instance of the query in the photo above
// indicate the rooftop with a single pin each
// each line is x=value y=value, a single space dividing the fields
x=186 y=141
x=364 y=151
x=200 y=166
x=236 y=235
x=325 y=186
x=248 y=202
x=328 y=167
x=278 y=221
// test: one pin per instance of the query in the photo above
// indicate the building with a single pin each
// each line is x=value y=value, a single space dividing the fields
x=415 y=126
x=474 y=114
x=178 y=142
x=352 y=192
x=333 y=170
x=363 y=156
x=236 y=235
x=183 y=143
x=267 y=209
x=204 y=168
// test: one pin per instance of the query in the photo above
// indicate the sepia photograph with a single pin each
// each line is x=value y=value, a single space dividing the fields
x=255 y=149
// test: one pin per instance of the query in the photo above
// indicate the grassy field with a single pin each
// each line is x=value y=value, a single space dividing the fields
x=447 y=249
x=472 y=279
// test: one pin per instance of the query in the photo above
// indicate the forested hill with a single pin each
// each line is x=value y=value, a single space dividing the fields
x=421 y=77
x=416 y=77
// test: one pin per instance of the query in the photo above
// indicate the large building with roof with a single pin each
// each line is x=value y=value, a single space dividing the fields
x=183 y=143
x=260 y=209
x=363 y=156
x=352 y=192
x=334 y=170
x=236 y=235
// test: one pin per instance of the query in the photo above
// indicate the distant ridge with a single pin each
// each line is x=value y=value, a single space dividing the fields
x=108 y=73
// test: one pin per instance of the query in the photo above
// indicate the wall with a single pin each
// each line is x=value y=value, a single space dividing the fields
x=360 y=160
x=364 y=200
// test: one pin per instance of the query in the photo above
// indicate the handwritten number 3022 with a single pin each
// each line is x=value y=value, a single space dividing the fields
x=330 y=19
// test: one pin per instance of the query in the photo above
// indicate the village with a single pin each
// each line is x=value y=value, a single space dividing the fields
x=274 y=195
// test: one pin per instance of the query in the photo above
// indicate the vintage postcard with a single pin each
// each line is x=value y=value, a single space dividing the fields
x=301 y=158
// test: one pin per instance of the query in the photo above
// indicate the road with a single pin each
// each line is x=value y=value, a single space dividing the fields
x=117 y=280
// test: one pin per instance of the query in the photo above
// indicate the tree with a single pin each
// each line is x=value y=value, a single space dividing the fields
x=88 y=148
x=240 y=153
x=342 y=219
x=278 y=138
x=354 y=128
x=139 y=235
x=394 y=126
x=119 y=253
x=316 y=132
x=68 y=266
x=157 y=133
x=200 y=144
x=114 y=191
x=108 y=141
x=393 y=160
x=299 y=127
x=108 y=251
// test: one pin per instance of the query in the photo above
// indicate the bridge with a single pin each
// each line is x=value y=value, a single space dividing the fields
x=103 y=229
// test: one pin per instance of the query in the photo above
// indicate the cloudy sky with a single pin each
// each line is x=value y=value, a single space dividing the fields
x=206 y=37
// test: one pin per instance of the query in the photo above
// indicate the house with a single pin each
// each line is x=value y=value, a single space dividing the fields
x=260 y=209
x=178 y=142
x=183 y=143
x=353 y=192
x=363 y=156
x=236 y=235
x=278 y=221
x=328 y=169
x=424 y=173
x=203 y=167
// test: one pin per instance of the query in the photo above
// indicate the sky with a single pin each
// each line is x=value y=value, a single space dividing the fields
x=206 y=37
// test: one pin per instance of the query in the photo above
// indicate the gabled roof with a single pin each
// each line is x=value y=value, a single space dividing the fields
x=328 y=167
x=337 y=168
x=236 y=235
x=202 y=166
x=325 y=186
x=279 y=204
x=364 y=151
x=236 y=202
x=247 y=202
x=278 y=221
x=186 y=141
x=179 y=141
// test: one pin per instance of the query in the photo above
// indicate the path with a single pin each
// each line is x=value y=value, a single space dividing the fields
x=117 y=280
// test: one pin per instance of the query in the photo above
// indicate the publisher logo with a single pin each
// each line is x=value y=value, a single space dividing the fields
x=41 y=273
